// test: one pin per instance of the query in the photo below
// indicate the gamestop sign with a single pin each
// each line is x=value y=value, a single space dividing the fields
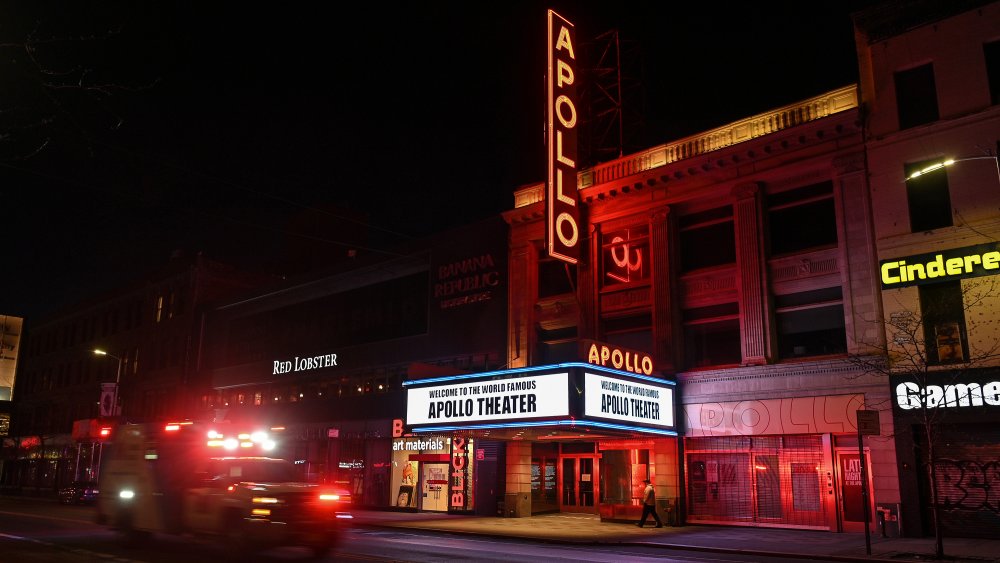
x=911 y=395
x=562 y=202
x=503 y=399
x=628 y=401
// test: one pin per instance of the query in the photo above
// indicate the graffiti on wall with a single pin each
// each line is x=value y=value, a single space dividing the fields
x=968 y=484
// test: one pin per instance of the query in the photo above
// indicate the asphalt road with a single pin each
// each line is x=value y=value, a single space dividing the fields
x=40 y=530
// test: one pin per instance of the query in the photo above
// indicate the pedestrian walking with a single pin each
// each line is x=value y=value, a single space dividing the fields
x=649 y=505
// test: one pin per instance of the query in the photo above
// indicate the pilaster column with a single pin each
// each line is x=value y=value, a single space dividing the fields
x=751 y=281
x=661 y=230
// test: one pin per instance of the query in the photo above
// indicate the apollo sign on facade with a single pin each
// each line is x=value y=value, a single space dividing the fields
x=562 y=202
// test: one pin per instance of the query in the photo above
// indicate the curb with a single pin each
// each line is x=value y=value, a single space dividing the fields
x=674 y=546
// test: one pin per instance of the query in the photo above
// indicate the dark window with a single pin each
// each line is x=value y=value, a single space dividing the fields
x=712 y=336
x=559 y=345
x=810 y=323
x=928 y=197
x=943 y=317
x=992 y=52
x=555 y=277
x=916 y=97
x=634 y=333
x=625 y=254
x=707 y=239
x=802 y=219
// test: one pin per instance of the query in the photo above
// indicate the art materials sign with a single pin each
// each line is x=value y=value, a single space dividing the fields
x=954 y=264
x=628 y=401
x=536 y=396
x=562 y=202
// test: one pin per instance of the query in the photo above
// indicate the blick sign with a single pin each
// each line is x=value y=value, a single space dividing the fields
x=562 y=202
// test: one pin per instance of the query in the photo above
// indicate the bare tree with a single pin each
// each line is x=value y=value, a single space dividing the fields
x=60 y=70
x=927 y=342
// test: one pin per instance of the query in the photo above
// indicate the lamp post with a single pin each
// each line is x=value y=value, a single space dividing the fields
x=115 y=407
x=949 y=162
x=114 y=410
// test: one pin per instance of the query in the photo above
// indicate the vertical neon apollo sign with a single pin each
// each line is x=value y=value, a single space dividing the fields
x=562 y=231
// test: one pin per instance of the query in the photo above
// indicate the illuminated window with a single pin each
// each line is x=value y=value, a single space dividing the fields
x=811 y=323
x=802 y=219
x=258 y=399
x=159 y=308
x=928 y=197
x=707 y=239
x=943 y=317
x=625 y=255
x=916 y=96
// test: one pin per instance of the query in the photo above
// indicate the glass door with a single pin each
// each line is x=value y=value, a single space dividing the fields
x=578 y=488
x=849 y=475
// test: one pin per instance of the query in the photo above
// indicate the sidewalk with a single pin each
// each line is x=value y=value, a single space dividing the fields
x=588 y=529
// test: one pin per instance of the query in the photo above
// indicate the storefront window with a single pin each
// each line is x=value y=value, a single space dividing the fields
x=622 y=475
x=433 y=473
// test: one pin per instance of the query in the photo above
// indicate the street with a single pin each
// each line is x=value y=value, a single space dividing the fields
x=39 y=529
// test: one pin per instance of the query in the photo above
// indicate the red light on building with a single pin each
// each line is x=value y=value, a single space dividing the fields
x=105 y=432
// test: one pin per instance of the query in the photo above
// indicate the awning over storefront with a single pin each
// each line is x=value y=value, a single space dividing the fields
x=540 y=401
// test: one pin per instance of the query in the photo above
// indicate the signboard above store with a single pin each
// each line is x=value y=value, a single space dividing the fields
x=519 y=398
x=628 y=401
x=609 y=355
x=570 y=395
x=304 y=364
x=947 y=265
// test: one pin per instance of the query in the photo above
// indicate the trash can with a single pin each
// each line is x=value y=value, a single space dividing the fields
x=667 y=508
x=517 y=505
x=509 y=505
x=887 y=519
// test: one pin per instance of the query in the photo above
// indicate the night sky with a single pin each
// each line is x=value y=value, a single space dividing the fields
x=280 y=136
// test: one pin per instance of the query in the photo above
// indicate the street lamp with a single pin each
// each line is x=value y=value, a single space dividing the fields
x=949 y=162
x=118 y=377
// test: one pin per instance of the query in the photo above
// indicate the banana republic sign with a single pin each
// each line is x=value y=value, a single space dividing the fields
x=562 y=202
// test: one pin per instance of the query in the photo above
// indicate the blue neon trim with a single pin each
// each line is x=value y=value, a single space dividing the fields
x=592 y=423
x=531 y=369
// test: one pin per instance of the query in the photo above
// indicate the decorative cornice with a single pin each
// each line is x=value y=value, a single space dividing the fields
x=767 y=123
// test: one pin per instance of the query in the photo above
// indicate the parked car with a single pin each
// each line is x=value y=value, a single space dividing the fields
x=79 y=492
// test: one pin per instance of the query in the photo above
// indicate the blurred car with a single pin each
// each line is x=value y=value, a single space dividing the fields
x=79 y=492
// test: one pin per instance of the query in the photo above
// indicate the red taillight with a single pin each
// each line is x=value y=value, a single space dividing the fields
x=329 y=496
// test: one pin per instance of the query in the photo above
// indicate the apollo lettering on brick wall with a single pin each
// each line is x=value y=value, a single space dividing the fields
x=562 y=202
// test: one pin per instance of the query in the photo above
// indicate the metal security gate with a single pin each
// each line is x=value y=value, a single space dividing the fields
x=779 y=481
x=967 y=471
